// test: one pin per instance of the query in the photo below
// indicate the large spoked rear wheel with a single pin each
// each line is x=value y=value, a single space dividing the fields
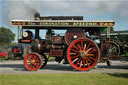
x=114 y=49
x=83 y=54
x=33 y=61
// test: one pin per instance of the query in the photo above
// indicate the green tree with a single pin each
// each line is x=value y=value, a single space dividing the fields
x=6 y=36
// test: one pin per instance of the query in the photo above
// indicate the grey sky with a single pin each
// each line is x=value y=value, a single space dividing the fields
x=91 y=10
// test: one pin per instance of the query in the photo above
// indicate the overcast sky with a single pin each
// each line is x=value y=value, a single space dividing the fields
x=116 y=10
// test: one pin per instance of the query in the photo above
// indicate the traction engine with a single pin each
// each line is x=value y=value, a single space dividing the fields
x=80 y=46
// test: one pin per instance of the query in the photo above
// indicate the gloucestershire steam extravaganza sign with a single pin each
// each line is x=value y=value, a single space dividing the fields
x=63 y=24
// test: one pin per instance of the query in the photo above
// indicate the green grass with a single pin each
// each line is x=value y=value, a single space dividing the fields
x=51 y=58
x=65 y=79
x=6 y=58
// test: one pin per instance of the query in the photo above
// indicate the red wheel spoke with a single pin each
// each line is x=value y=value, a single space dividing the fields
x=89 y=60
x=75 y=47
x=72 y=53
x=75 y=56
x=92 y=51
x=29 y=58
x=89 y=49
x=35 y=64
x=87 y=63
x=75 y=50
x=88 y=46
x=37 y=61
x=82 y=45
x=90 y=54
x=79 y=46
x=84 y=62
x=31 y=65
x=92 y=58
x=34 y=57
x=78 y=61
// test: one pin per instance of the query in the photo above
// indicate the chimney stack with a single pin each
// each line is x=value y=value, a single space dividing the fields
x=37 y=16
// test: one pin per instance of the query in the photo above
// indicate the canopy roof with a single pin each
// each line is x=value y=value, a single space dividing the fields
x=64 y=23
x=125 y=32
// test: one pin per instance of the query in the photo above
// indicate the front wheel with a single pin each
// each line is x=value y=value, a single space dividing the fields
x=83 y=54
x=33 y=61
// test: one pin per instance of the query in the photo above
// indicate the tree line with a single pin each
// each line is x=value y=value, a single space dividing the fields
x=6 y=37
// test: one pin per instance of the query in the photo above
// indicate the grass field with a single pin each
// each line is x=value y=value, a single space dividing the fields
x=65 y=79
x=6 y=58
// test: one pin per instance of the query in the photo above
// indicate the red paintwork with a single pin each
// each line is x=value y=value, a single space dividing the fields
x=3 y=53
x=105 y=44
x=56 y=52
x=17 y=50
x=71 y=33
x=26 y=41
x=91 y=57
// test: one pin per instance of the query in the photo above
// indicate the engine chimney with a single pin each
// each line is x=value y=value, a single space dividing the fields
x=37 y=16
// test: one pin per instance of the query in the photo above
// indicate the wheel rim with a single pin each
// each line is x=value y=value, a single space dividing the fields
x=83 y=54
x=32 y=61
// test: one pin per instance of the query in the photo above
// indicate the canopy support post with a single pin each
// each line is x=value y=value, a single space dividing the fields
x=18 y=32
x=108 y=32
x=37 y=33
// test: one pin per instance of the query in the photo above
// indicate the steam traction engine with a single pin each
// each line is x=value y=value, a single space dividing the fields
x=81 y=46
x=118 y=45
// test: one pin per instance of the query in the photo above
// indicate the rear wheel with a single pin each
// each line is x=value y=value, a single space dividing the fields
x=83 y=54
x=33 y=61
x=113 y=52
x=115 y=49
